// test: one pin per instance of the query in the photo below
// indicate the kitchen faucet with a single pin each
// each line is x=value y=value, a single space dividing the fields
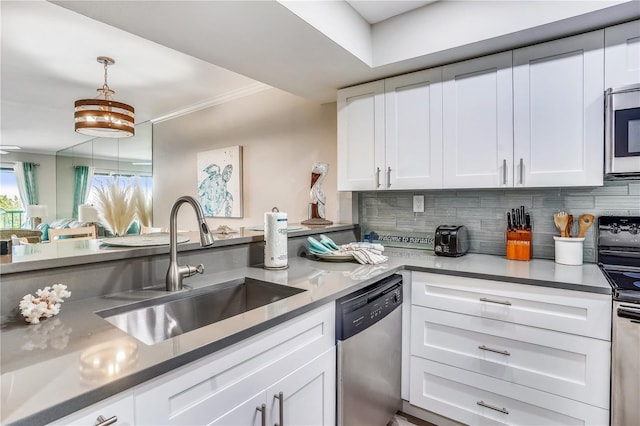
x=176 y=272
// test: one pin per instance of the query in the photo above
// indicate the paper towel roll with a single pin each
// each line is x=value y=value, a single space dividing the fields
x=275 y=240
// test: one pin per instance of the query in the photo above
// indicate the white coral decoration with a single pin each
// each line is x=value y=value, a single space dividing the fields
x=45 y=305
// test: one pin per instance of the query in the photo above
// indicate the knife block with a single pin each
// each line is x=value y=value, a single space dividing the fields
x=519 y=244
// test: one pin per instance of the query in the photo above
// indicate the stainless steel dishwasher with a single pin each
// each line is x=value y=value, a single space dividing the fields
x=369 y=335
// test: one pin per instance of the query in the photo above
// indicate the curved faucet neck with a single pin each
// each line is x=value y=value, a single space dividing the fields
x=175 y=272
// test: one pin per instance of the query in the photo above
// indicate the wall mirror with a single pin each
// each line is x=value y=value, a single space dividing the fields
x=126 y=161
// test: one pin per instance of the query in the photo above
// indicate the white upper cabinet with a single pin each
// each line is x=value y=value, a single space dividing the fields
x=390 y=133
x=622 y=55
x=530 y=117
x=559 y=112
x=414 y=130
x=361 y=137
x=478 y=132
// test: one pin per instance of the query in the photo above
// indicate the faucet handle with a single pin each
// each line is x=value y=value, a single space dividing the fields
x=191 y=270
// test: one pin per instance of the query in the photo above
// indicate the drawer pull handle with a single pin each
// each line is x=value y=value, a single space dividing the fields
x=498 y=351
x=101 y=421
x=280 y=397
x=263 y=415
x=484 y=404
x=500 y=302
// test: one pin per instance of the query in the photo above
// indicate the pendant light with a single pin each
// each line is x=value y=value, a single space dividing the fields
x=104 y=117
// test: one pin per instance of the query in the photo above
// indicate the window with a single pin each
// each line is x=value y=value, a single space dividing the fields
x=101 y=179
x=12 y=212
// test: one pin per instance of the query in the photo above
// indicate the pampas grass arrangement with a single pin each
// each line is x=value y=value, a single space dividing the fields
x=114 y=205
x=141 y=199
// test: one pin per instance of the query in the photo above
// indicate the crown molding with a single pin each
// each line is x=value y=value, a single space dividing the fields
x=225 y=97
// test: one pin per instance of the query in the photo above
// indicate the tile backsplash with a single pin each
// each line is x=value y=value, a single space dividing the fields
x=483 y=212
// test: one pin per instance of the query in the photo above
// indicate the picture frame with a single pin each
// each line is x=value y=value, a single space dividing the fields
x=219 y=173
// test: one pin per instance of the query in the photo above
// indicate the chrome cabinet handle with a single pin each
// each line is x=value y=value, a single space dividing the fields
x=377 y=177
x=498 y=351
x=504 y=171
x=500 y=302
x=521 y=171
x=280 y=398
x=263 y=414
x=484 y=404
x=389 y=177
x=101 y=421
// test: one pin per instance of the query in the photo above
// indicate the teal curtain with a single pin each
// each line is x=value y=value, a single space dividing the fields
x=80 y=188
x=31 y=187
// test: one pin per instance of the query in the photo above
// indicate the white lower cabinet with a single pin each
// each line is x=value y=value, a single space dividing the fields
x=308 y=398
x=489 y=352
x=309 y=394
x=229 y=387
x=554 y=362
x=117 y=410
x=476 y=399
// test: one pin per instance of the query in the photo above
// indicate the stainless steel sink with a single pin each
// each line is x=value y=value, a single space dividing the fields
x=160 y=319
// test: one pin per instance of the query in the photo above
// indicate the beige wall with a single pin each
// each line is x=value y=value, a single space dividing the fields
x=282 y=135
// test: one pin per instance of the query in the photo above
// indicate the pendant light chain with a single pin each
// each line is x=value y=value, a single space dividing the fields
x=105 y=85
x=103 y=116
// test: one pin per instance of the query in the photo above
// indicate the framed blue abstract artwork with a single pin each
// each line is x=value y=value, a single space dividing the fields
x=220 y=182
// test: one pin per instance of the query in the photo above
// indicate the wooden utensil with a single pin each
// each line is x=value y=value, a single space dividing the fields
x=585 y=221
x=561 y=219
x=569 y=226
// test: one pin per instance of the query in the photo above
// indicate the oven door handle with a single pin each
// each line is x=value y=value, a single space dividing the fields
x=633 y=255
x=629 y=312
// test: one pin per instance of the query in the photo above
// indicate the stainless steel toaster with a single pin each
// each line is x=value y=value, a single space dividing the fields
x=451 y=240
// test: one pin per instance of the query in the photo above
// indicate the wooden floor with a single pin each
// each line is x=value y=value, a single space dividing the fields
x=403 y=419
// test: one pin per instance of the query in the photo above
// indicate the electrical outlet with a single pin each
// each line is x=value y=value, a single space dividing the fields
x=418 y=203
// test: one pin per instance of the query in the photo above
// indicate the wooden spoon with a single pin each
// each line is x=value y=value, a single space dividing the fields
x=586 y=220
x=561 y=219
x=569 y=226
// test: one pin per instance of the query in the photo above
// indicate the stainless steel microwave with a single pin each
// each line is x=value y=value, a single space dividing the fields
x=622 y=131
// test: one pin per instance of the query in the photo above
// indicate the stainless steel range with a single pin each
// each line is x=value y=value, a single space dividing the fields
x=619 y=259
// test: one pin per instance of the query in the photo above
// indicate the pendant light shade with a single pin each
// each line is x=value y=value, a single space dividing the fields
x=104 y=117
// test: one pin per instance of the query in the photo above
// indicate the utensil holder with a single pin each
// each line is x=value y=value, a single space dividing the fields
x=569 y=250
x=519 y=244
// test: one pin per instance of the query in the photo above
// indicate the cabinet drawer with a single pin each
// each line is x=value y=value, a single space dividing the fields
x=119 y=406
x=475 y=399
x=191 y=393
x=567 y=365
x=575 y=312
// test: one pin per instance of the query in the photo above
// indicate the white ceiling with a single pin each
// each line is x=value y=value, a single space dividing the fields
x=165 y=51
x=49 y=61
x=374 y=11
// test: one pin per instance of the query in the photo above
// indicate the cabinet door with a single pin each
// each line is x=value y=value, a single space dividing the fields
x=478 y=123
x=309 y=394
x=361 y=137
x=559 y=112
x=245 y=414
x=622 y=55
x=413 y=107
